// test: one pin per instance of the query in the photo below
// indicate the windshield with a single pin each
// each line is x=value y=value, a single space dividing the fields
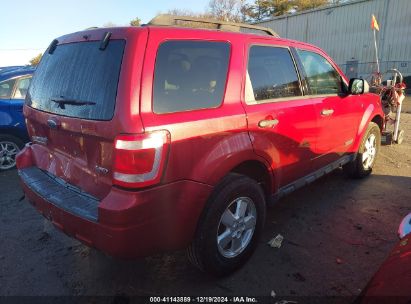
x=78 y=71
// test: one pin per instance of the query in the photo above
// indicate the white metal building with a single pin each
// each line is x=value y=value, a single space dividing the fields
x=344 y=32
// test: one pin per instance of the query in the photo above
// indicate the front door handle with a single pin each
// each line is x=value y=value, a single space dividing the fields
x=327 y=112
x=268 y=123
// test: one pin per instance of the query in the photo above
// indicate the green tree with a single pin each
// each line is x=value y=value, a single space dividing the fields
x=256 y=11
x=36 y=60
x=302 y=5
x=135 y=22
x=263 y=9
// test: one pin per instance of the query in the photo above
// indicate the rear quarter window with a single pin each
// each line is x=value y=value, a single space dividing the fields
x=78 y=72
x=190 y=75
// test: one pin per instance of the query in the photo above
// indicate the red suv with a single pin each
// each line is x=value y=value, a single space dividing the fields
x=155 y=138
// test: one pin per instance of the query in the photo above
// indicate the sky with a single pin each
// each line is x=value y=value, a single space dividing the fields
x=28 y=26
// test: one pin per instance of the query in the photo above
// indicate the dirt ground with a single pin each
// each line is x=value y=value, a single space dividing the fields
x=406 y=106
x=336 y=232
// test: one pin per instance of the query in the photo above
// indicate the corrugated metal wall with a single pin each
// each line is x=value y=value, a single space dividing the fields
x=344 y=32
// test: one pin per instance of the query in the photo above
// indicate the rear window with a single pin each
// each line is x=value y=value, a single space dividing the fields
x=78 y=80
x=190 y=75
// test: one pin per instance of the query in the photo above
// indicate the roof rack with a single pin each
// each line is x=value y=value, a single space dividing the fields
x=184 y=21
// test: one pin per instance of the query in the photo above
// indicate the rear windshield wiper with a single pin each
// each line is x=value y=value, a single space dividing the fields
x=74 y=102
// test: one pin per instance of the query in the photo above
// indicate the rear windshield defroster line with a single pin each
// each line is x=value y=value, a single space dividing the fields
x=82 y=79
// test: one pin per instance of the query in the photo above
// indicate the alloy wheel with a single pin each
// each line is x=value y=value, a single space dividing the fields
x=236 y=227
x=370 y=151
x=8 y=152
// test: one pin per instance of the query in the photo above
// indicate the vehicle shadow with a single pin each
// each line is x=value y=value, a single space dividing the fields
x=336 y=232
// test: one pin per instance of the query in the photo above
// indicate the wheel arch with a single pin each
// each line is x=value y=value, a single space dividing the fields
x=258 y=171
x=370 y=115
x=379 y=121
x=255 y=169
x=15 y=133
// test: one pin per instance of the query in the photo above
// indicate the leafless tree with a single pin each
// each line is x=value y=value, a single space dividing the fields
x=109 y=24
x=227 y=10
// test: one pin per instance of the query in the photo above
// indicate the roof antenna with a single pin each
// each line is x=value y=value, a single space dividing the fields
x=53 y=46
x=104 y=41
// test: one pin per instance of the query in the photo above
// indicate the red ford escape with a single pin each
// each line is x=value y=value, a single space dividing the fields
x=165 y=137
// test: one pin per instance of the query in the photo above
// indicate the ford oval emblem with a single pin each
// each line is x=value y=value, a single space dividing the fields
x=52 y=124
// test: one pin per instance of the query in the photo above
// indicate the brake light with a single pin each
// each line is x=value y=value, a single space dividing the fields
x=139 y=159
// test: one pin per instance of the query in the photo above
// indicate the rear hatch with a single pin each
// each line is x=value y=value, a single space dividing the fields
x=78 y=102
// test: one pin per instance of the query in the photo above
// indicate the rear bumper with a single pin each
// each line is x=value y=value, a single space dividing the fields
x=59 y=193
x=124 y=224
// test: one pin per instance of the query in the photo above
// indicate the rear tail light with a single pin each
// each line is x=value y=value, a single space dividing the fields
x=139 y=159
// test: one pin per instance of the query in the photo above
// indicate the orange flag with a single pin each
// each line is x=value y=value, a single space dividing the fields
x=374 y=23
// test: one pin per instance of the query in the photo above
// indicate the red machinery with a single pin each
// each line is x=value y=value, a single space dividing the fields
x=392 y=96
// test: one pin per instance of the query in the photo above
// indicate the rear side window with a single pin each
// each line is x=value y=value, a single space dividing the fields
x=190 y=75
x=322 y=78
x=78 y=80
x=6 y=88
x=271 y=74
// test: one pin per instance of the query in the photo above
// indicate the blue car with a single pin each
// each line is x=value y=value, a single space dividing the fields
x=14 y=83
x=11 y=68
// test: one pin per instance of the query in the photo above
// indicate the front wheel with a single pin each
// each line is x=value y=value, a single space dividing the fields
x=230 y=227
x=367 y=153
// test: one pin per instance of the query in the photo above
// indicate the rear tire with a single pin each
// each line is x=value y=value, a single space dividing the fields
x=367 y=154
x=230 y=226
x=9 y=147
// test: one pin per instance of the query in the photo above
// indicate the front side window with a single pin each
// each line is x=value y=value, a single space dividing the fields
x=271 y=74
x=322 y=78
x=190 y=75
x=6 y=88
x=22 y=88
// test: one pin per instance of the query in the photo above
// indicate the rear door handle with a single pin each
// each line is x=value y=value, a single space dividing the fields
x=268 y=123
x=327 y=112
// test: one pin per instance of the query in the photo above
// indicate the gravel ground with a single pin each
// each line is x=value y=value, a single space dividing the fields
x=406 y=106
x=336 y=232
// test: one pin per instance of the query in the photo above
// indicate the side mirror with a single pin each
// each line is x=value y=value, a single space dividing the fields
x=358 y=86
